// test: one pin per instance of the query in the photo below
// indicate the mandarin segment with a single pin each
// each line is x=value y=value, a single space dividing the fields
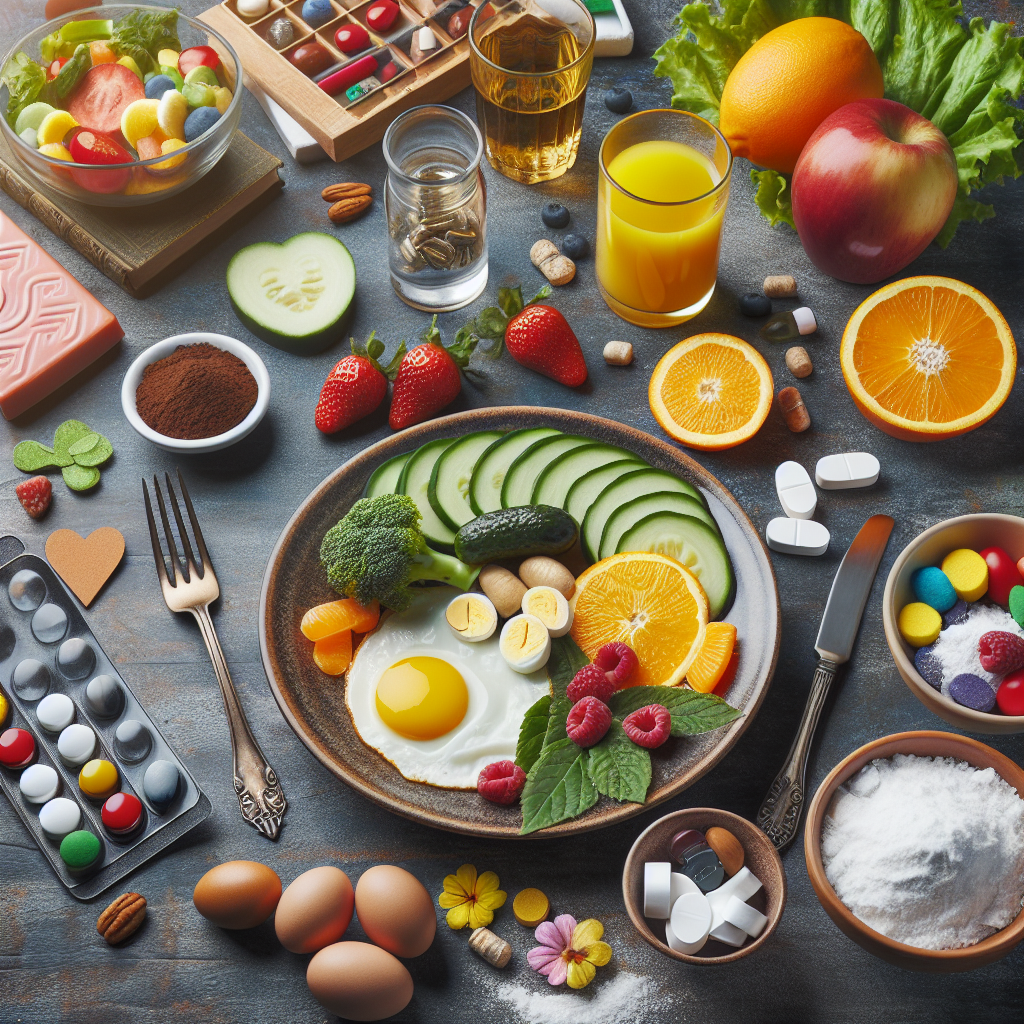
x=333 y=654
x=347 y=614
x=713 y=657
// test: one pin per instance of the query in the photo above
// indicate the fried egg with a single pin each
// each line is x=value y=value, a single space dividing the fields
x=440 y=710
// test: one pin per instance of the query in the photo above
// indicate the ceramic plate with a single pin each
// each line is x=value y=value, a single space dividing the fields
x=315 y=706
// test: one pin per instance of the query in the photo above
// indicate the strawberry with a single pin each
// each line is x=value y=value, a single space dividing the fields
x=35 y=496
x=354 y=388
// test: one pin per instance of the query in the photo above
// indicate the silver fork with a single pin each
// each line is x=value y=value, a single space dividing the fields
x=259 y=793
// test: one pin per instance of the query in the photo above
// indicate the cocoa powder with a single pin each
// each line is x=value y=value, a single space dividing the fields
x=197 y=391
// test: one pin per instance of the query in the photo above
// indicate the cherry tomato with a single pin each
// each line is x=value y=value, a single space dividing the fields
x=195 y=56
x=54 y=68
x=351 y=38
x=89 y=147
x=1002 y=574
x=1010 y=695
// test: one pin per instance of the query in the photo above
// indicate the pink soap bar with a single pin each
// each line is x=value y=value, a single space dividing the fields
x=50 y=327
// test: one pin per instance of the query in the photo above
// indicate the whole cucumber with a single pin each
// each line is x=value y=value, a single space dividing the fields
x=516 y=533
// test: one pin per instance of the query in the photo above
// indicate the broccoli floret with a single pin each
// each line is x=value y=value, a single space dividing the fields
x=378 y=549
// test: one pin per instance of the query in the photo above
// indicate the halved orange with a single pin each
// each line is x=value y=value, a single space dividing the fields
x=333 y=654
x=649 y=601
x=928 y=358
x=713 y=657
x=336 y=616
x=711 y=391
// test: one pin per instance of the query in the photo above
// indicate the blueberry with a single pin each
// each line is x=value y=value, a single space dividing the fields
x=755 y=304
x=157 y=86
x=317 y=12
x=555 y=215
x=199 y=122
x=618 y=101
x=576 y=247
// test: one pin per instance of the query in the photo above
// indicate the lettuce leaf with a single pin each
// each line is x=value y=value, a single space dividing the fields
x=141 y=35
x=772 y=197
x=25 y=80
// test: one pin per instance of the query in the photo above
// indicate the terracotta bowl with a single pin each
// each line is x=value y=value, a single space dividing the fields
x=929 y=548
x=759 y=856
x=932 y=744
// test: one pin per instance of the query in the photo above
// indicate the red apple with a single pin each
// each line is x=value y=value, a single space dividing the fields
x=872 y=187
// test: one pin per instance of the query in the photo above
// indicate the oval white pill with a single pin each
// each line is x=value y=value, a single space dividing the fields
x=797 y=536
x=682 y=884
x=744 y=916
x=848 y=469
x=55 y=712
x=674 y=942
x=39 y=783
x=729 y=934
x=691 y=918
x=60 y=817
x=76 y=745
x=796 y=493
x=253 y=8
x=657 y=889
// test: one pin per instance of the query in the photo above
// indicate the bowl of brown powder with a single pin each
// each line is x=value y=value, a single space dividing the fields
x=196 y=393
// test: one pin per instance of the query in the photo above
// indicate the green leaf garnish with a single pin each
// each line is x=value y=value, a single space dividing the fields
x=67 y=434
x=692 y=712
x=565 y=661
x=95 y=455
x=558 y=786
x=77 y=451
x=531 y=733
x=80 y=478
x=619 y=768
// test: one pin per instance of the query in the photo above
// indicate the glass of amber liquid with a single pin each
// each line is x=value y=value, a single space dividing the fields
x=531 y=62
x=661 y=197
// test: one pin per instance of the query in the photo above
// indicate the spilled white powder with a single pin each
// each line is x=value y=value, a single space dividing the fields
x=929 y=851
x=624 y=999
x=957 y=646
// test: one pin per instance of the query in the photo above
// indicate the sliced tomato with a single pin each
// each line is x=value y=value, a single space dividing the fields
x=100 y=99
x=196 y=56
x=54 y=68
x=90 y=147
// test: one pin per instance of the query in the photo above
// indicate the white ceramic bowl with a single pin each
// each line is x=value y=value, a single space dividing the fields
x=164 y=348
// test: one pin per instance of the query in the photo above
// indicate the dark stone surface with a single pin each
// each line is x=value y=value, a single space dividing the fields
x=178 y=968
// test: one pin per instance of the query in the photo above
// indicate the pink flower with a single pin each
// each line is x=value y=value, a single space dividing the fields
x=569 y=951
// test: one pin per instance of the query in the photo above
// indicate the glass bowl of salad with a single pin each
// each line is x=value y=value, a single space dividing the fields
x=120 y=105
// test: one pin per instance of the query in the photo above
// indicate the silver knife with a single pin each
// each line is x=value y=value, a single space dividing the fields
x=780 y=813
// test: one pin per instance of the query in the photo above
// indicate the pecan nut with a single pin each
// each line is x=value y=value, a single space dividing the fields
x=348 y=209
x=345 y=190
x=122 y=918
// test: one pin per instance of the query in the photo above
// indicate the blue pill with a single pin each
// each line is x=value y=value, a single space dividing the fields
x=160 y=784
x=157 y=86
x=317 y=12
x=199 y=122
x=956 y=614
x=931 y=586
x=972 y=692
x=928 y=666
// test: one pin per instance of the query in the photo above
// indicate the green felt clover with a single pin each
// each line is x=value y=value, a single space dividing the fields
x=77 y=451
x=80 y=478
x=31 y=456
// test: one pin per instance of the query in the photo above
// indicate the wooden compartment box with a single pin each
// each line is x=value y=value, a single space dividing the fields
x=359 y=114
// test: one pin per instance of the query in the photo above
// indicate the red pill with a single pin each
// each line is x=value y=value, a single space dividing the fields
x=1010 y=695
x=388 y=72
x=351 y=38
x=311 y=58
x=349 y=75
x=381 y=16
x=122 y=813
x=1003 y=574
x=17 y=748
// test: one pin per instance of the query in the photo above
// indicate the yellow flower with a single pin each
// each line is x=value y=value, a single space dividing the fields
x=586 y=953
x=472 y=900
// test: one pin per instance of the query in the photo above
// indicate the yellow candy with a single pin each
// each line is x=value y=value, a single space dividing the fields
x=919 y=624
x=968 y=572
x=56 y=151
x=139 y=120
x=223 y=96
x=130 y=64
x=172 y=109
x=98 y=779
x=169 y=146
x=54 y=127
x=5 y=709
x=102 y=53
x=168 y=58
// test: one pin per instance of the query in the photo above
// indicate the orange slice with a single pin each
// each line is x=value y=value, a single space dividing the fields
x=928 y=358
x=327 y=619
x=711 y=391
x=333 y=654
x=713 y=657
x=649 y=601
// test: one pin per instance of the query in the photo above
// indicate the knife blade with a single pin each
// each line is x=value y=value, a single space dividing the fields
x=780 y=812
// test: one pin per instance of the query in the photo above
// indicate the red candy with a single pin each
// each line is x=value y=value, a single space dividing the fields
x=351 y=38
x=1001 y=652
x=1010 y=695
x=17 y=748
x=381 y=16
x=648 y=727
x=501 y=782
x=197 y=56
x=122 y=813
x=89 y=147
x=1003 y=574
x=388 y=72
x=590 y=681
x=589 y=720
x=618 y=660
x=349 y=75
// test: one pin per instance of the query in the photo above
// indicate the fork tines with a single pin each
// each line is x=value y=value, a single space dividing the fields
x=189 y=566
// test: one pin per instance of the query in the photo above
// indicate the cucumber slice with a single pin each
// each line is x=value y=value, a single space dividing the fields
x=626 y=488
x=627 y=516
x=522 y=475
x=449 y=482
x=384 y=479
x=415 y=480
x=489 y=472
x=554 y=482
x=585 y=491
x=295 y=295
x=695 y=544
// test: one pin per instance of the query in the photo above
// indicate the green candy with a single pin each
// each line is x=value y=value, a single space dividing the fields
x=174 y=75
x=199 y=94
x=202 y=75
x=77 y=451
x=1017 y=604
x=79 y=849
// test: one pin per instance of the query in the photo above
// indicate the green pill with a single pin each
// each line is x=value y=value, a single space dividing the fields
x=80 y=850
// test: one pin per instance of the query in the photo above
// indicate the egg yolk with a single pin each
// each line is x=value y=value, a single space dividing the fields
x=422 y=698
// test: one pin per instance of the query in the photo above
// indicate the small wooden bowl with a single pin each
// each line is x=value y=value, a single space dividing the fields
x=924 y=744
x=759 y=856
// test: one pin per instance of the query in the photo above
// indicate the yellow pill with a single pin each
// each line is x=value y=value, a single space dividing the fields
x=920 y=624
x=223 y=97
x=98 y=779
x=139 y=120
x=5 y=709
x=968 y=572
x=130 y=64
x=54 y=127
x=56 y=151
x=531 y=907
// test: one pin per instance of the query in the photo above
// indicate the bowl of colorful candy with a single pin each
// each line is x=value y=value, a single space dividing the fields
x=953 y=612
x=120 y=105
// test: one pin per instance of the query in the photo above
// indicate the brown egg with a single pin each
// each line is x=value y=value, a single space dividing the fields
x=358 y=981
x=237 y=894
x=395 y=910
x=314 y=910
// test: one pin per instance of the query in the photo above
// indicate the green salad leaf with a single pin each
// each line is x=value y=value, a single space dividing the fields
x=141 y=35
x=964 y=79
x=620 y=769
x=692 y=712
x=531 y=733
x=25 y=80
x=557 y=787
x=565 y=661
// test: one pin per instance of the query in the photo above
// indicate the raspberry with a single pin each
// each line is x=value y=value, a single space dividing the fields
x=501 y=782
x=590 y=681
x=589 y=719
x=618 y=660
x=35 y=496
x=1001 y=652
x=648 y=727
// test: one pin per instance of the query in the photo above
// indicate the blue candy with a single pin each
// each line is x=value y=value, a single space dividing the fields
x=199 y=122
x=972 y=692
x=158 y=85
x=928 y=666
x=956 y=614
x=317 y=12
x=931 y=586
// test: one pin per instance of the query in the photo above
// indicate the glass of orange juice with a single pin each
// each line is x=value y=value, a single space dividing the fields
x=663 y=186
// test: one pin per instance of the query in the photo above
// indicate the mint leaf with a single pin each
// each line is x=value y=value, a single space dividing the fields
x=66 y=435
x=96 y=455
x=565 y=661
x=80 y=478
x=30 y=456
x=772 y=197
x=558 y=715
x=692 y=712
x=618 y=767
x=558 y=786
x=531 y=733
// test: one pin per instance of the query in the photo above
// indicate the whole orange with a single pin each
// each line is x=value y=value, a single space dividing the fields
x=788 y=82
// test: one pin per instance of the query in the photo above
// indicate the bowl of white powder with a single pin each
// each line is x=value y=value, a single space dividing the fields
x=957 y=646
x=915 y=847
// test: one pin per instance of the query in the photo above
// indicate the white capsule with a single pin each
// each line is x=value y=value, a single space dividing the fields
x=426 y=39
x=472 y=617
x=658 y=889
x=551 y=607
x=691 y=920
x=848 y=469
x=729 y=934
x=744 y=916
x=796 y=493
x=797 y=536
x=253 y=8
x=525 y=643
